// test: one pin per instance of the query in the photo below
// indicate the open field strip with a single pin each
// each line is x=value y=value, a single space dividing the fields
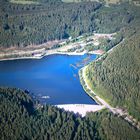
x=24 y=2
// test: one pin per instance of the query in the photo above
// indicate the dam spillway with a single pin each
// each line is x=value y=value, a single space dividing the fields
x=81 y=109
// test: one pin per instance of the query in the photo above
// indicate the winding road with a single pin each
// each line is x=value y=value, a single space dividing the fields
x=97 y=97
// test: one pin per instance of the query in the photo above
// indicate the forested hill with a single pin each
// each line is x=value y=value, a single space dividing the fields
x=35 y=23
x=21 y=118
x=116 y=78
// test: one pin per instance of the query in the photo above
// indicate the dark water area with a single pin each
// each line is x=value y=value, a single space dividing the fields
x=53 y=79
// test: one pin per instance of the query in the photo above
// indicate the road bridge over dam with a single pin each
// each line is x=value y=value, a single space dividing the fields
x=81 y=109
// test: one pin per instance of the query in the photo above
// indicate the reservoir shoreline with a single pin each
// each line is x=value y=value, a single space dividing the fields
x=100 y=101
x=76 y=46
x=39 y=77
x=51 y=52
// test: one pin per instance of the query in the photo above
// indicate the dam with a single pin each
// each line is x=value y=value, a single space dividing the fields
x=81 y=109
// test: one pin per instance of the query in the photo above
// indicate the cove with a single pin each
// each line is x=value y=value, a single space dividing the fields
x=54 y=77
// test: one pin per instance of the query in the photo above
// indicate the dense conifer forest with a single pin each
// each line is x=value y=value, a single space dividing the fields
x=23 y=118
x=116 y=77
x=24 y=24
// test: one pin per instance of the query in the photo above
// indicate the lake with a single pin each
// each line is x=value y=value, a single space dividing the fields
x=54 y=76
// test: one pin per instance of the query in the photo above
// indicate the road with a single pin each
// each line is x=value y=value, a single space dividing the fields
x=99 y=99
x=117 y=111
x=109 y=51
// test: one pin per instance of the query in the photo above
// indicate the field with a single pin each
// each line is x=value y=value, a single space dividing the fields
x=136 y=2
x=77 y=0
x=24 y=2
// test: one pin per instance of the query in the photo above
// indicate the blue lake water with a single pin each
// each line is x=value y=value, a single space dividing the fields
x=55 y=76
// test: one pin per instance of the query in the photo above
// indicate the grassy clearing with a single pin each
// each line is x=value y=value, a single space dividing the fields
x=69 y=1
x=107 y=1
x=136 y=2
x=24 y=2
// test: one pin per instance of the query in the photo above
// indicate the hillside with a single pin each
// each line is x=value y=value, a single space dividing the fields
x=116 y=77
x=25 y=24
x=21 y=118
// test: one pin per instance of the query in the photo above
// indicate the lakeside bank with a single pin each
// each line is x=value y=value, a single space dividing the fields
x=90 y=92
x=115 y=110
x=88 y=44
x=43 y=53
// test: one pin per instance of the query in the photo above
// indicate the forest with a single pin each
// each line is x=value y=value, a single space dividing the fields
x=116 y=77
x=21 y=117
x=24 y=24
